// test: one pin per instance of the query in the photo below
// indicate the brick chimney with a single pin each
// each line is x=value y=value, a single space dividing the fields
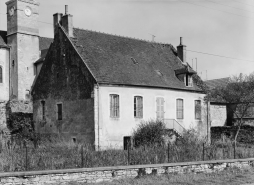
x=57 y=19
x=181 y=51
x=67 y=22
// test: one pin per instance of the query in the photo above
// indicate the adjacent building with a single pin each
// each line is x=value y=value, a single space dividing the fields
x=20 y=47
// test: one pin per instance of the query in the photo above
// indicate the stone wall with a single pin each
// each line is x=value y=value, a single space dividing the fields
x=93 y=175
x=246 y=134
x=3 y=122
x=64 y=79
x=218 y=115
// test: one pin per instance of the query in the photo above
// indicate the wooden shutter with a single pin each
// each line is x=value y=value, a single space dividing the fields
x=160 y=108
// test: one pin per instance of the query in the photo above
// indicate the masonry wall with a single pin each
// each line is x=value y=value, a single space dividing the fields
x=93 y=175
x=23 y=38
x=3 y=118
x=64 y=79
x=245 y=135
x=4 y=63
x=112 y=130
x=218 y=115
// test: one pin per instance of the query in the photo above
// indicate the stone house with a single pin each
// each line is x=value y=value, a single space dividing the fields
x=95 y=88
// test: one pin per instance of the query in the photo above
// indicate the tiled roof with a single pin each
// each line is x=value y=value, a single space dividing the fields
x=3 y=39
x=44 y=42
x=43 y=55
x=126 y=61
x=184 y=70
x=217 y=82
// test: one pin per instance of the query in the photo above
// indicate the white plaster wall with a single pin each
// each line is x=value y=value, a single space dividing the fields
x=4 y=63
x=218 y=115
x=112 y=130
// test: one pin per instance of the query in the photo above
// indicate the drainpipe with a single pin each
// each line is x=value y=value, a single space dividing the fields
x=98 y=109
x=10 y=64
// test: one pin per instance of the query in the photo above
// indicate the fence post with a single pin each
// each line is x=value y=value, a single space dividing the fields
x=82 y=159
x=168 y=153
x=26 y=158
x=128 y=149
x=234 y=149
x=203 y=152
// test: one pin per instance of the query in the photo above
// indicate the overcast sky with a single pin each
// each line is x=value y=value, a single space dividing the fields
x=220 y=27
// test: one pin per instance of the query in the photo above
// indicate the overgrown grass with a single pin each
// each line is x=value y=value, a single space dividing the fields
x=61 y=155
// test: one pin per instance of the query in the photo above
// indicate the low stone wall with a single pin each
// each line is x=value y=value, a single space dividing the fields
x=246 y=134
x=93 y=175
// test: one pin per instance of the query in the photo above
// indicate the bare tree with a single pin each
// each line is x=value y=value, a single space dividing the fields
x=238 y=94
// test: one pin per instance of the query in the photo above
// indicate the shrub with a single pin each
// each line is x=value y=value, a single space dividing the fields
x=149 y=133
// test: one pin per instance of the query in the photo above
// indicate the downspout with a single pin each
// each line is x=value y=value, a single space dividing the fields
x=10 y=67
x=98 y=109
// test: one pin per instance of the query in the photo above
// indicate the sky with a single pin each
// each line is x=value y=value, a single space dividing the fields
x=214 y=27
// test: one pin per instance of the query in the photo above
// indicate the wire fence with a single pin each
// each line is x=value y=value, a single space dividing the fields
x=67 y=155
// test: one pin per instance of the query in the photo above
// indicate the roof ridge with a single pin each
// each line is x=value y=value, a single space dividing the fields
x=46 y=37
x=216 y=79
x=121 y=36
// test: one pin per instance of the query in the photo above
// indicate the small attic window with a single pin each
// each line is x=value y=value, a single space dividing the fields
x=159 y=73
x=188 y=80
x=134 y=61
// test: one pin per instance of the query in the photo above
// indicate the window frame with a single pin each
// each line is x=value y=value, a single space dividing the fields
x=43 y=109
x=114 y=106
x=1 y=74
x=57 y=111
x=195 y=110
x=138 y=107
x=160 y=115
x=188 y=80
x=179 y=109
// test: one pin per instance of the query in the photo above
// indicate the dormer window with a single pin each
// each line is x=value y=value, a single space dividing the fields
x=184 y=74
x=188 y=80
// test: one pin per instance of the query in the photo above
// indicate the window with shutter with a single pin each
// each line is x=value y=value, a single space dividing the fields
x=179 y=109
x=138 y=107
x=1 y=74
x=198 y=109
x=114 y=105
x=160 y=108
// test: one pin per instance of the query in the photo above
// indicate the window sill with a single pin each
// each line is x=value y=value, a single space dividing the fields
x=115 y=118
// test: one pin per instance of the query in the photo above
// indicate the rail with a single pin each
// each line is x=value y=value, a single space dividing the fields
x=174 y=125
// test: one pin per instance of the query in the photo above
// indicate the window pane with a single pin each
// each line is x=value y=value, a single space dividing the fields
x=197 y=109
x=1 y=74
x=114 y=105
x=59 y=111
x=138 y=106
x=179 y=108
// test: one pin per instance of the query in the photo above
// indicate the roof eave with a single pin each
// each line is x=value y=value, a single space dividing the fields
x=147 y=86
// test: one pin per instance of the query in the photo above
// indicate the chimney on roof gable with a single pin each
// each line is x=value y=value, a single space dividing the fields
x=57 y=20
x=67 y=22
x=181 y=51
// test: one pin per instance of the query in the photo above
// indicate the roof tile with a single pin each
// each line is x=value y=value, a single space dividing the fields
x=110 y=58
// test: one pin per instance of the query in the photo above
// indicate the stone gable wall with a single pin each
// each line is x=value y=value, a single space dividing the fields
x=93 y=175
x=65 y=79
